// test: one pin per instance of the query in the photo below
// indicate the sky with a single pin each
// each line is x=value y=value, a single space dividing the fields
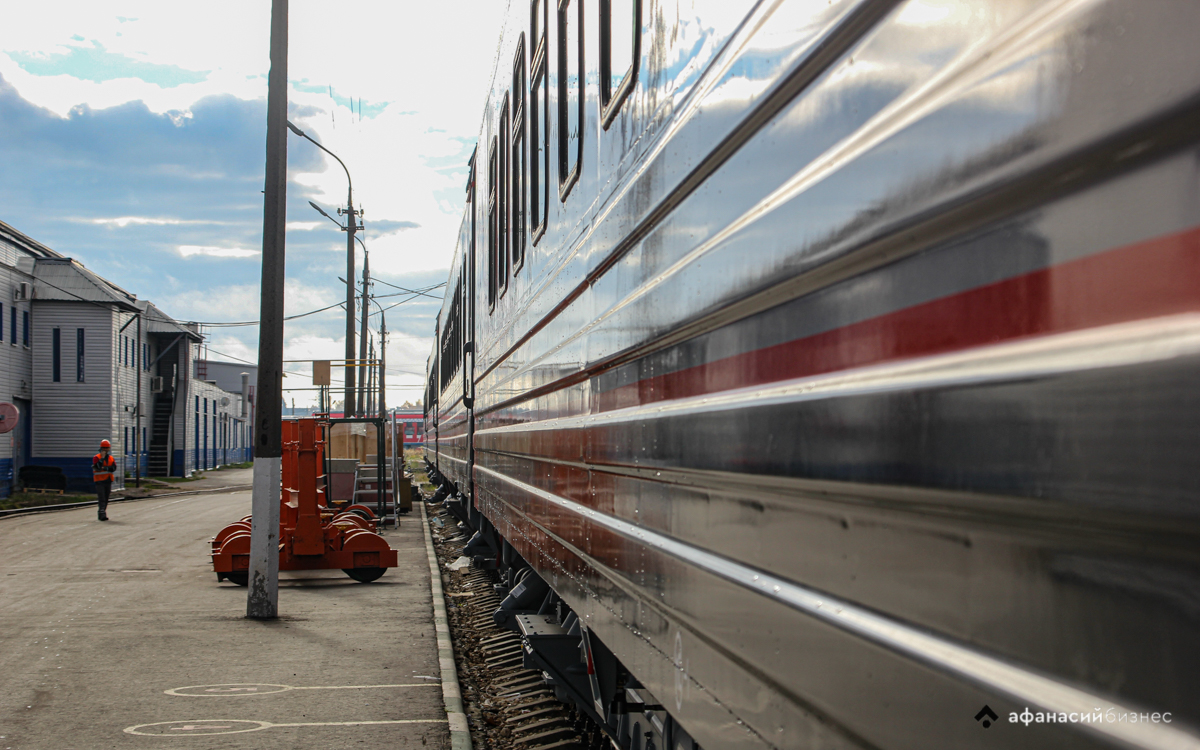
x=132 y=138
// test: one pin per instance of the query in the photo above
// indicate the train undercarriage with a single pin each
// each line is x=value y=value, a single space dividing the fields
x=603 y=703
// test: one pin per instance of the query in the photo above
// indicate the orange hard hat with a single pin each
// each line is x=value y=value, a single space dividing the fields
x=105 y=444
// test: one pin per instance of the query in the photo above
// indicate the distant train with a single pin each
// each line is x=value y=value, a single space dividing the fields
x=834 y=368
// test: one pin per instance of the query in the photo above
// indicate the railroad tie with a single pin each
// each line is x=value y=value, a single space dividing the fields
x=541 y=712
x=542 y=738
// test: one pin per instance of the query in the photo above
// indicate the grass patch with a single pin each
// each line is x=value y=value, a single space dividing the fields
x=38 y=499
x=414 y=461
x=242 y=465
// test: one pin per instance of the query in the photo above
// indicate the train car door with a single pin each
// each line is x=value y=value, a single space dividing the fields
x=468 y=336
x=435 y=394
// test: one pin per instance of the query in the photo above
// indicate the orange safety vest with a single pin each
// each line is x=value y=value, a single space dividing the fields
x=103 y=468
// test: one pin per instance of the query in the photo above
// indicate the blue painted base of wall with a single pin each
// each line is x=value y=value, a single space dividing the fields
x=129 y=463
x=78 y=471
x=7 y=477
x=232 y=456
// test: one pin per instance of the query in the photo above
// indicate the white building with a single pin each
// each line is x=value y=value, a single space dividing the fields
x=86 y=361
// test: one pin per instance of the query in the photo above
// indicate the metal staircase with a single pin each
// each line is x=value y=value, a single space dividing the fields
x=160 y=438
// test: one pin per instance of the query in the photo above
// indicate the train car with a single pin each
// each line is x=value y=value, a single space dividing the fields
x=829 y=369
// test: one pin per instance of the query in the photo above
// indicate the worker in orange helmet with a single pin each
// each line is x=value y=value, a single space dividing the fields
x=103 y=468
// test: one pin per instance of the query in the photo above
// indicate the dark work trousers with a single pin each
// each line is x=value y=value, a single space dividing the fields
x=102 y=490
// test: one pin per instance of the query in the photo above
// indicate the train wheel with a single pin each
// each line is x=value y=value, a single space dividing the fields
x=240 y=577
x=363 y=575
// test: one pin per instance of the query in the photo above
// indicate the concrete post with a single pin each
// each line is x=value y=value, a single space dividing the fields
x=262 y=599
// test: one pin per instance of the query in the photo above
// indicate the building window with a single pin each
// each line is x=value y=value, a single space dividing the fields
x=56 y=355
x=126 y=446
x=620 y=52
x=13 y=316
x=517 y=165
x=78 y=355
x=1 y=321
x=570 y=94
x=145 y=357
x=24 y=327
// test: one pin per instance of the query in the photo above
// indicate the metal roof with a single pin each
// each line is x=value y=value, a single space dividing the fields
x=25 y=242
x=158 y=321
x=64 y=280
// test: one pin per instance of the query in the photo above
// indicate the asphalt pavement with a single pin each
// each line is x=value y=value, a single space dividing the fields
x=117 y=635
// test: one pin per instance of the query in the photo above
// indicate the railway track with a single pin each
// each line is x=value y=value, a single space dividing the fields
x=509 y=706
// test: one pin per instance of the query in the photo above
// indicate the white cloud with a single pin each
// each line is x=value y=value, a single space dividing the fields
x=124 y=221
x=431 y=62
x=188 y=251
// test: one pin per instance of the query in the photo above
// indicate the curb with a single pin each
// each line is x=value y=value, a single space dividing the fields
x=460 y=734
x=91 y=503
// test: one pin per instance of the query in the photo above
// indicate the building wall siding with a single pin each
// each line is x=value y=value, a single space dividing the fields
x=16 y=363
x=127 y=370
x=73 y=417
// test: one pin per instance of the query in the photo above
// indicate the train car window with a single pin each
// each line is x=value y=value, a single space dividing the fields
x=493 y=227
x=570 y=94
x=451 y=343
x=620 y=52
x=504 y=247
x=537 y=24
x=539 y=122
x=539 y=166
x=517 y=168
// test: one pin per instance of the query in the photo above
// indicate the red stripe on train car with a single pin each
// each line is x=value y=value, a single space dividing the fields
x=1157 y=277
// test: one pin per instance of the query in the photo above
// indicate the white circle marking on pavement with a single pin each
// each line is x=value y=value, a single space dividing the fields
x=239 y=689
x=233 y=689
x=200 y=727
x=197 y=727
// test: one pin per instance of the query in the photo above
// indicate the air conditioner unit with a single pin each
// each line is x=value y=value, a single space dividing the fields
x=156 y=384
x=21 y=291
x=224 y=401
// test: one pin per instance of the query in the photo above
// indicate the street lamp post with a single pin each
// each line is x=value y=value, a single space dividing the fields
x=351 y=227
x=382 y=356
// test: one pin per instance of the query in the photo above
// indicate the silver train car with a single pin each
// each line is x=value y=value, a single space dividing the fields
x=828 y=370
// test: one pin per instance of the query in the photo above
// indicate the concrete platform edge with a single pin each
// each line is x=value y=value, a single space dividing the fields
x=460 y=735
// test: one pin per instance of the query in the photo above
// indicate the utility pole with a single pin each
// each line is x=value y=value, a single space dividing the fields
x=351 y=226
x=362 y=345
x=370 y=393
x=382 y=362
x=262 y=599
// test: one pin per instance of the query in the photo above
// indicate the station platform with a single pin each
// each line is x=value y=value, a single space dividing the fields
x=117 y=635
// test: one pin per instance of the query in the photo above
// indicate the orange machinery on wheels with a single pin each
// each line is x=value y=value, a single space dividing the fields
x=312 y=535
